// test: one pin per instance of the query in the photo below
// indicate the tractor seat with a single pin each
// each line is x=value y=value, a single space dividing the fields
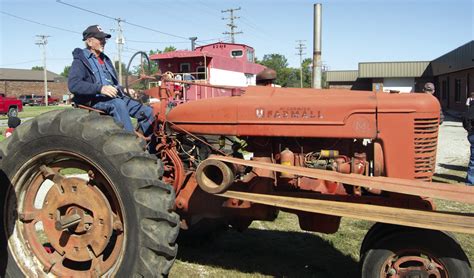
x=81 y=106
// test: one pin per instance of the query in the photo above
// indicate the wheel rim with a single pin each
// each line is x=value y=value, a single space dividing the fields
x=412 y=264
x=13 y=113
x=66 y=226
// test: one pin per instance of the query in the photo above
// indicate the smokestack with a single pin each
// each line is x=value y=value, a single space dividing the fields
x=317 y=46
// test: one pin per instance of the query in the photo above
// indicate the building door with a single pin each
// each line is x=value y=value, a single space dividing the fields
x=448 y=92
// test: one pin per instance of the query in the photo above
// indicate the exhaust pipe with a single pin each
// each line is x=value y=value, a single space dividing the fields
x=214 y=176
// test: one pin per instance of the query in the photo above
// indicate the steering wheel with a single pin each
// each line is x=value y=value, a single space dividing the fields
x=142 y=72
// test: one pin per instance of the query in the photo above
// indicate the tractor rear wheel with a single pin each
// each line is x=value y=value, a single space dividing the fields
x=115 y=219
x=413 y=252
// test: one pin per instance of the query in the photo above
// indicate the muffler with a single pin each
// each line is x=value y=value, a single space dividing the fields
x=214 y=176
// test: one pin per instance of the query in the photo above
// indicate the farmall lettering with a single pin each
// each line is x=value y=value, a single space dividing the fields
x=288 y=113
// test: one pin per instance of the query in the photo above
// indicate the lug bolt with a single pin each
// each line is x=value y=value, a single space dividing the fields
x=392 y=271
x=431 y=266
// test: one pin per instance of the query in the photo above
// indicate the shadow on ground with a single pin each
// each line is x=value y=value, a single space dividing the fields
x=274 y=253
x=453 y=167
x=448 y=177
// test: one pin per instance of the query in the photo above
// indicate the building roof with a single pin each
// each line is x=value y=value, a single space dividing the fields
x=226 y=43
x=342 y=75
x=458 y=59
x=394 y=69
x=180 y=54
x=26 y=75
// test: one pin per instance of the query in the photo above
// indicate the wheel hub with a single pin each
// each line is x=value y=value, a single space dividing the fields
x=92 y=223
x=414 y=266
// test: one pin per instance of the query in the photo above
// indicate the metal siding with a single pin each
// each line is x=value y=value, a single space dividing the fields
x=341 y=76
x=459 y=59
x=392 y=69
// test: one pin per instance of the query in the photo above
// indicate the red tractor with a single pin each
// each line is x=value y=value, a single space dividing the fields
x=224 y=162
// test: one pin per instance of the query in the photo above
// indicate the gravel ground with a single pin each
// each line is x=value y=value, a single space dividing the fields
x=453 y=147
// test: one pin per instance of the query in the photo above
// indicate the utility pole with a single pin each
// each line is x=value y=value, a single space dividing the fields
x=193 y=42
x=43 y=41
x=120 y=42
x=231 y=24
x=300 y=48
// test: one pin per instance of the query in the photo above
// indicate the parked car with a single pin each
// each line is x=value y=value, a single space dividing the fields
x=30 y=100
x=51 y=100
x=10 y=106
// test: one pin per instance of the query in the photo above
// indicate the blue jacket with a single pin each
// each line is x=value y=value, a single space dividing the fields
x=81 y=80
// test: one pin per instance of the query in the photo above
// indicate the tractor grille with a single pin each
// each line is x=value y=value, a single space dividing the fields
x=426 y=140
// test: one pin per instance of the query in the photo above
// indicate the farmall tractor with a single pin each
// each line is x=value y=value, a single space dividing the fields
x=224 y=162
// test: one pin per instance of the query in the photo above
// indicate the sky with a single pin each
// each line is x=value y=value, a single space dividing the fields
x=353 y=31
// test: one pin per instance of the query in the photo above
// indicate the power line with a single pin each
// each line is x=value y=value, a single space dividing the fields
x=117 y=19
x=155 y=42
x=154 y=30
x=300 y=48
x=215 y=39
x=231 y=25
x=19 y=63
x=39 y=23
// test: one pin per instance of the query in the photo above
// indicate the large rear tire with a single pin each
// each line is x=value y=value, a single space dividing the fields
x=118 y=221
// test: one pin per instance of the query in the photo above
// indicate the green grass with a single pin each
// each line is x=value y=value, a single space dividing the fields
x=33 y=111
x=280 y=248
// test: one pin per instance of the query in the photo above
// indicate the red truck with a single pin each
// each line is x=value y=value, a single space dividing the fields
x=10 y=106
x=51 y=100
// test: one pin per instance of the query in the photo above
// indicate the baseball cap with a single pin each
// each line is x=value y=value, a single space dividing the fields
x=429 y=87
x=94 y=31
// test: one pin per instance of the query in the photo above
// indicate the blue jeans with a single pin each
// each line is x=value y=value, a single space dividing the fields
x=122 y=108
x=470 y=167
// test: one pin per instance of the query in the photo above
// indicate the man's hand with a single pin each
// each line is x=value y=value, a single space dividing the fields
x=131 y=93
x=109 y=91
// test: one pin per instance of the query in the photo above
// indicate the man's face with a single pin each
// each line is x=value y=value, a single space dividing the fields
x=96 y=44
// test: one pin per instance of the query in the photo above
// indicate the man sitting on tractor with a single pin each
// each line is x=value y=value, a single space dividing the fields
x=93 y=81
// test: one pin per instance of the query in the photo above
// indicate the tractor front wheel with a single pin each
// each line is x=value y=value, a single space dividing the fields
x=412 y=252
x=112 y=217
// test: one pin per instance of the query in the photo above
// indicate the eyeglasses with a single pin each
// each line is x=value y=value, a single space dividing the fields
x=102 y=40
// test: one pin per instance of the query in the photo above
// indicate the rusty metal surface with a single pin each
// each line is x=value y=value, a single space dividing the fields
x=268 y=111
x=453 y=192
x=406 y=266
x=453 y=222
x=77 y=221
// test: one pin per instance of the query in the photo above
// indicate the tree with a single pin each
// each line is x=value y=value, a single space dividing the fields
x=307 y=72
x=66 y=70
x=286 y=77
x=124 y=68
x=169 y=49
x=274 y=61
x=37 y=68
x=154 y=65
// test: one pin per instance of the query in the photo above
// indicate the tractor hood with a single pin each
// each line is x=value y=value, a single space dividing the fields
x=288 y=112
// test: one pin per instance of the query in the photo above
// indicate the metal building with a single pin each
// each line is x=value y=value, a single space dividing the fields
x=452 y=74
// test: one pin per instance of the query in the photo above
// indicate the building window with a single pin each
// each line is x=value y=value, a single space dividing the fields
x=250 y=56
x=201 y=72
x=249 y=79
x=184 y=67
x=457 y=90
x=236 y=53
x=444 y=94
